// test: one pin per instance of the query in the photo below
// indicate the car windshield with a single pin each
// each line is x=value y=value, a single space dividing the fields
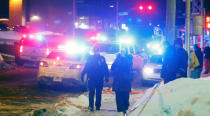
x=157 y=59
x=64 y=56
x=109 y=48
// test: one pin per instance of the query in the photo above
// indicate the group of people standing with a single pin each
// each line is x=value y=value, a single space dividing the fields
x=175 y=64
x=175 y=61
x=97 y=72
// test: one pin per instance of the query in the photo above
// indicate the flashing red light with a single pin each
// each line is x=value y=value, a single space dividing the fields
x=21 y=49
x=150 y=7
x=47 y=51
x=78 y=66
x=141 y=7
x=31 y=36
x=208 y=25
x=24 y=35
x=43 y=64
x=57 y=58
x=208 y=19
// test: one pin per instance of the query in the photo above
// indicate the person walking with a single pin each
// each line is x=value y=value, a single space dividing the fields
x=96 y=70
x=207 y=59
x=122 y=73
x=196 y=64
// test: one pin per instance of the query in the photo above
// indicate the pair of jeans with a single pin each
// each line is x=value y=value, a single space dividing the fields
x=92 y=91
x=196 y=73
x=122 y=101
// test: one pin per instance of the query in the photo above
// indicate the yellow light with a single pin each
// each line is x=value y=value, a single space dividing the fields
x=208 y=25
x=15 y=0
x=208 y=19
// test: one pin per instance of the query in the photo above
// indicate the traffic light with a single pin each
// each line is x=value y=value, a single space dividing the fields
x=147 y=7
x=150 y=7
x=207 y=22
x=141 y=7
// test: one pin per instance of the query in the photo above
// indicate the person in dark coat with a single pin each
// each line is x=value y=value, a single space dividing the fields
x=96 y=70
x=168 y=72
x=196 y=73
x=207 y=59
x=122 y=73
x=181 y=59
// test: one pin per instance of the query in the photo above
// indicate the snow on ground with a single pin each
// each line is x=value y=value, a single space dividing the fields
x=77 y=106
x=182 y=97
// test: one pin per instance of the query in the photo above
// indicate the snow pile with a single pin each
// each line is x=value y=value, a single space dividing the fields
x=182 y=97
x=71 y=106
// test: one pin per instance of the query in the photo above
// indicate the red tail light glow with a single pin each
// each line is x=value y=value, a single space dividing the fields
x=43 y=64
x=21 y=49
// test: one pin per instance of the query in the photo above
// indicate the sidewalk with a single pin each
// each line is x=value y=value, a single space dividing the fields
x=108 y=107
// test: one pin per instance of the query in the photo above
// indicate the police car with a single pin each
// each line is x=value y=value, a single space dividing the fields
x=62 y=66
x=152 y=69
x=33 y=47
x=110 y=50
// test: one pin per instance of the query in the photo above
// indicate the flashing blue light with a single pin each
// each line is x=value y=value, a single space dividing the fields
x=40 y=37
x=138 y=20
x=129 y=19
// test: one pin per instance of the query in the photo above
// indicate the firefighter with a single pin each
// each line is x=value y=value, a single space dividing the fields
x=96 y=70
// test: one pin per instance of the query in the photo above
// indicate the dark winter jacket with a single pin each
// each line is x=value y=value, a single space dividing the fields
x=122 y=72
x=207 y=52
x=96 y=69
x=168 y=72
x=181 y=60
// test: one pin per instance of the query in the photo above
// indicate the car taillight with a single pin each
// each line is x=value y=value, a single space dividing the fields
x=43 y=64
x=47 y=51
x=76 y=66
x=21 y=49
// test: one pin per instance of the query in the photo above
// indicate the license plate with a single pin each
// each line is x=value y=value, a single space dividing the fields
x=57 y=79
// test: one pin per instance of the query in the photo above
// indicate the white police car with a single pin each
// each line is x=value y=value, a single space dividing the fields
x=152 y=69
x=62 y=67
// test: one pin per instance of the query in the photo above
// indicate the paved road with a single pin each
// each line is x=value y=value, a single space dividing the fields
x=19 y=94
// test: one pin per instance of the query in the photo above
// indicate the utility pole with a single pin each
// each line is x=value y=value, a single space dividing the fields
x=117 y=19
x=187 y=32
x=170 y=20
x=74 y=19
x=198 y=10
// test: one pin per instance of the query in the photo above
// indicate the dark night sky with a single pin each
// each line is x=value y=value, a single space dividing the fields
x=4 y=8
x=159 y=4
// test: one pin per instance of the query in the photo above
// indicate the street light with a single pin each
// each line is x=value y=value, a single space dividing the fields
x=35 y=18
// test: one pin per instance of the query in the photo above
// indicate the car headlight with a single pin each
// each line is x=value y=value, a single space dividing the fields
x=109 y=66
x=148 y=70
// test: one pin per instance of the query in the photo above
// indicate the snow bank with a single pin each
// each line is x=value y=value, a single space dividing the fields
x=182 y=97
x=71 y=106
